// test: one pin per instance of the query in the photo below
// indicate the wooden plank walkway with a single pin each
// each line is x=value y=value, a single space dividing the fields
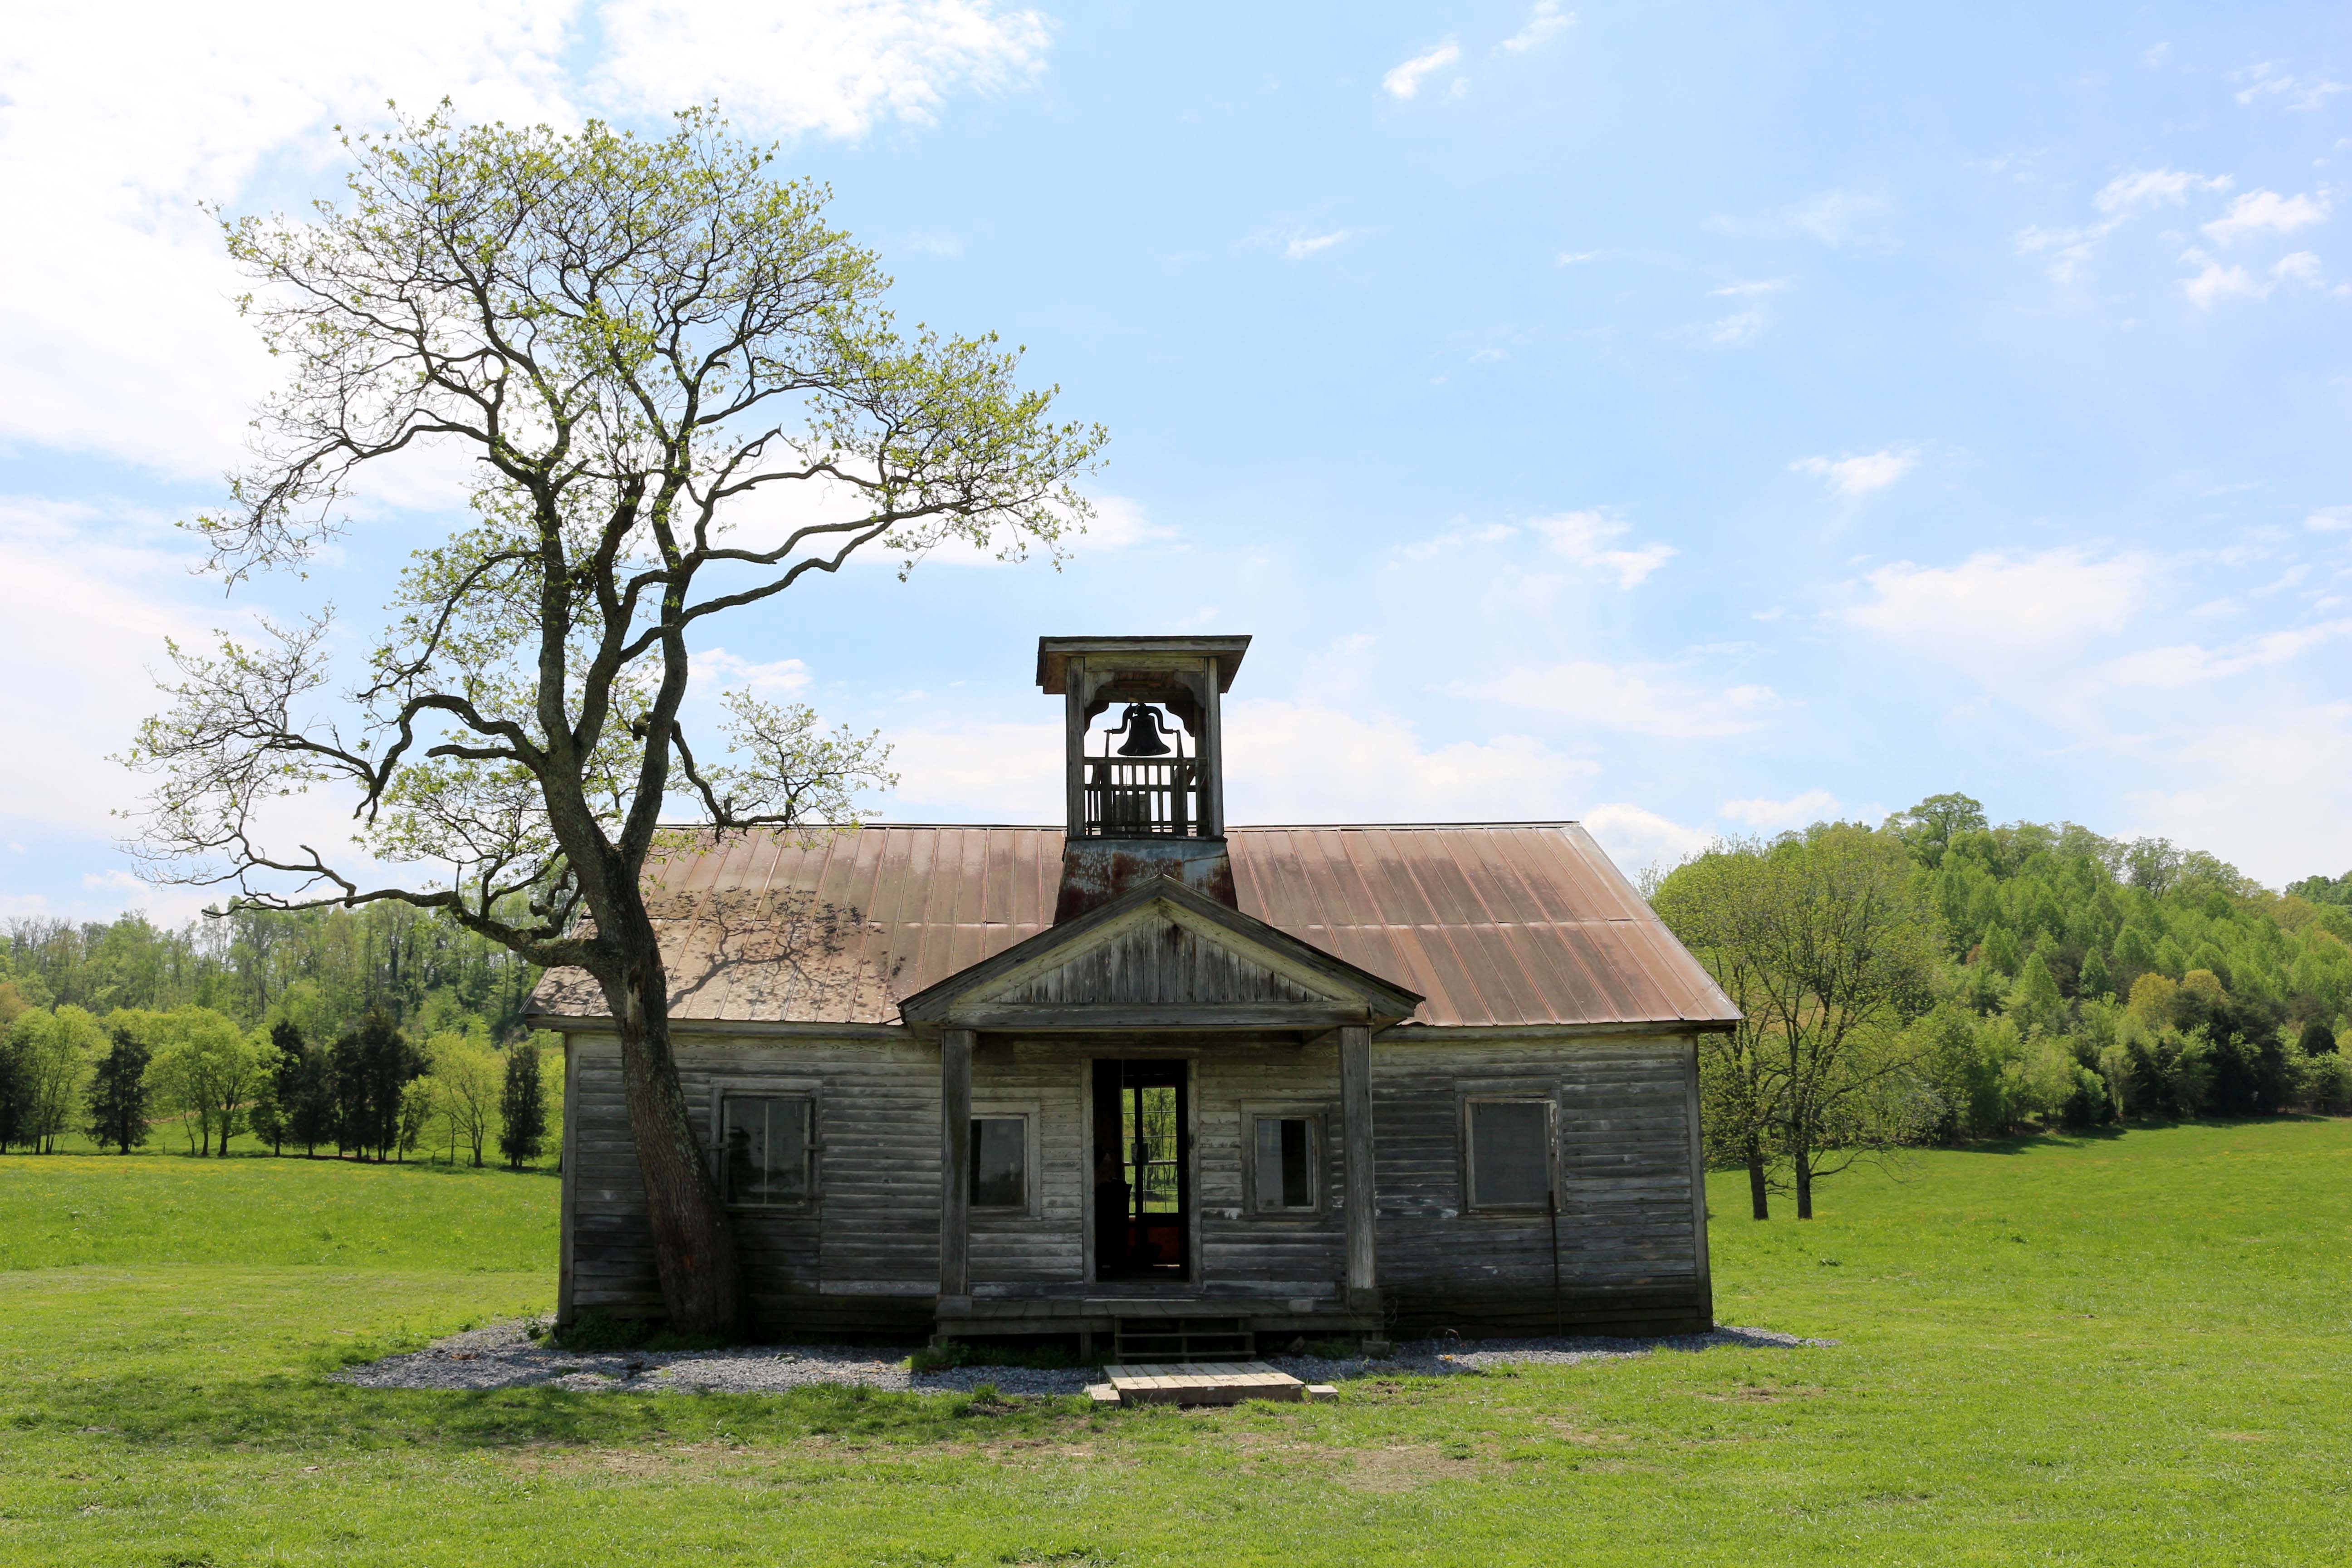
x=1201 y=1382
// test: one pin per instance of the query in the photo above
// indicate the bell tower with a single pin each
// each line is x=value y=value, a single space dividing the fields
x=1146 y=796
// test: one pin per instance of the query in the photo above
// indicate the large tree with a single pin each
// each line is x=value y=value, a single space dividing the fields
x=640 y=342
x=1826 y=941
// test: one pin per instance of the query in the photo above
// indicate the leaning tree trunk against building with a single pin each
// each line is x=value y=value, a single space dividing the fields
x=630 y=337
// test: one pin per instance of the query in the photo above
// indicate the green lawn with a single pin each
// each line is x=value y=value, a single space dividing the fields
x=2112 y=1349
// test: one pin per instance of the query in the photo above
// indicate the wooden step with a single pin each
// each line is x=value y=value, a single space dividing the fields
x=1199 y=1382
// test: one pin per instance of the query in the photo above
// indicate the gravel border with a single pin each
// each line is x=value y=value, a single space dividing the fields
x=507 y=1355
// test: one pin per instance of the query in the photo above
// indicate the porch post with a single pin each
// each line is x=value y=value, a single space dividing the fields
x=955 y=1169
x=1356 y=1130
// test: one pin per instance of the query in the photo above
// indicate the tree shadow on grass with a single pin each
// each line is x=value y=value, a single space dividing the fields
x=296 y=1412
x=2110 y=1132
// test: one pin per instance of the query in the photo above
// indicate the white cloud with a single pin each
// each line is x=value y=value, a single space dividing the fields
x=2146 y=188
x=1750 y=291
x=114 y=126
x=835 y=67
x=1635 y=699
x=1585 y=538
x=1730 y=331
x=1771 y=816
x=1289 y=761
x=730 y=672
x=1120 y=521
x=2263 y=790
x=1452 y=540
x=1840 y=219
x=1404 y=81
x=2072 y=249
x=976 y=773
x=2187 y=664
x=1303 y=246
x=2218 y=282
x=90 y=602
x=2265 y=212
x=2266 y=79
x=1636 y=837
x=1859 y=476
x=2330 y=519
x=1545 y=20
x=1997 y=608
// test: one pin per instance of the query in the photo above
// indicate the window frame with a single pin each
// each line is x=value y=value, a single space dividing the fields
x=1033 y=1177
x=1551 y=1104
x=807 y=1090
x=1319 y=1157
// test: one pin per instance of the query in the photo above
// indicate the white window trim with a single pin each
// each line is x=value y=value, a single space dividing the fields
x=1032 y=1117
x=1317 y=1117
x=1470 y=1206
x=808 y=1089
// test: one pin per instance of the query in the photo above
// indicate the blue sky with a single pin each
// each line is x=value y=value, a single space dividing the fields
x=1691 y=419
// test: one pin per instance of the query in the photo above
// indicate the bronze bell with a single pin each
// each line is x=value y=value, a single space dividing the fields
x=1141 y=723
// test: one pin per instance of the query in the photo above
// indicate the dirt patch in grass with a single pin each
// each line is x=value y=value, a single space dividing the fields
x=1763 y=1394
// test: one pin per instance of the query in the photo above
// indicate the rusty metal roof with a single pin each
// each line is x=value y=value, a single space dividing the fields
x=1495 y=924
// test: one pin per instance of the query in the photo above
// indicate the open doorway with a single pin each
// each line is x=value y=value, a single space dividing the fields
x=1143 y=1182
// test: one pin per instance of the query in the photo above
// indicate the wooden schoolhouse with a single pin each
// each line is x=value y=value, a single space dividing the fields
x=1205 y=1088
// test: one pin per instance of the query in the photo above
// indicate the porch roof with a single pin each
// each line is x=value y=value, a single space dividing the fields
x=1492 y=924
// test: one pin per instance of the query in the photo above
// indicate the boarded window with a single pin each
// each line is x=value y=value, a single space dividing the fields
x=1285 y=1164
x=1000 y=1161
x=766 y=1140
x=1510 y=1154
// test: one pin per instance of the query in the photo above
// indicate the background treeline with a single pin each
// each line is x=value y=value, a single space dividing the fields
x=381 y=1033
x=1939 y=979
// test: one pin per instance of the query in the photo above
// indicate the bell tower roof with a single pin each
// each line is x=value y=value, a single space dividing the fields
x=1053 y=655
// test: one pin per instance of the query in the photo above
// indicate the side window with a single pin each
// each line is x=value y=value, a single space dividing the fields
x=764 y=1157
x=1510 y=1154
x=1000 y=1161
x=1285 y=1160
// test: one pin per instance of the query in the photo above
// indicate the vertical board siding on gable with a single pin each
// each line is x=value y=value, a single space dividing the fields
x=1625 y=1179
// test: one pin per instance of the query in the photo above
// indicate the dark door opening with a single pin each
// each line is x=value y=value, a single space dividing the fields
x=1143 y=1185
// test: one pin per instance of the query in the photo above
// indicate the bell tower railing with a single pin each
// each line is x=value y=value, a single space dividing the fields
x=1142 y=798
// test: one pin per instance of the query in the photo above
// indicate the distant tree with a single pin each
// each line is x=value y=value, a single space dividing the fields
x=522 y=1108
x=1740 y=1075
x=2093 y=979
x=12 y=1088
x=1840 y=939
x=419 y=1100
x=1929 y=829
x=468 y=1086
x=118 y=1093
x=2317 y=1039
x=273 y=1112
x=639 y=342
x=2153 y=1000
x=208 y=1068
x=2034 y=1001
x=373 y=1067
x=54 y=1052
x=2335 y=890
x=2002 y=953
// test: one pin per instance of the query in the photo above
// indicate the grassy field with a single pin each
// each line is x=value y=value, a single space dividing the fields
x=2127 y=1349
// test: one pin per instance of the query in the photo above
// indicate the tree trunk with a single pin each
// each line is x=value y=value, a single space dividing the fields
x=694 y=1245
x=1804 y=1163
x=1759 y=1196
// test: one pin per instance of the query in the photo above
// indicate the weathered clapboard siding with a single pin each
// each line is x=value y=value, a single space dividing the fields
x=864 y=1256
x=872 y=1225
x=1236 y=1242
x=1627 y=1250
x=1047 y=1243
